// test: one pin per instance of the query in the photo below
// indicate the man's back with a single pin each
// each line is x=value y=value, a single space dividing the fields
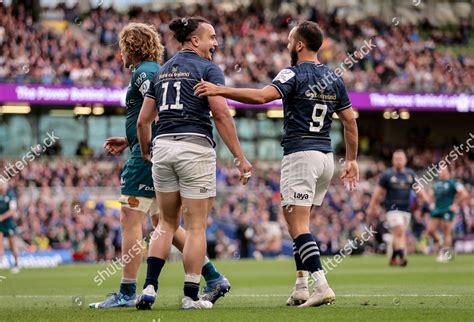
x=179 y=110
x=308 y=107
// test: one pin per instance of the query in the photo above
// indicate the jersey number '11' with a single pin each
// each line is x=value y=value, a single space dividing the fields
x=177 y=105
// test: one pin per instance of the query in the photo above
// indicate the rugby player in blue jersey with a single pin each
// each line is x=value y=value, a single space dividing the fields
x=308 y=165
x=396 y=187
x=184 y=159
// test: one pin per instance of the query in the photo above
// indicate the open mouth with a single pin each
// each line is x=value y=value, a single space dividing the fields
x=212 y=51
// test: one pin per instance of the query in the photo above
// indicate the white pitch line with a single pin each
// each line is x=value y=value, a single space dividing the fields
x=238 y=295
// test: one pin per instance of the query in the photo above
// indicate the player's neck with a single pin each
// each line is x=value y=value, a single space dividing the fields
x=189 y=48
x=133 y=65
x=308 y=57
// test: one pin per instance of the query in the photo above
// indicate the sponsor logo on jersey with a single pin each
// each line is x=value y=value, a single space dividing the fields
x=315 y=92
x=174 y=75
x=284 y=76
x=301 y=196
x=203 y=190
x=145 y=187
x=140 y=79
x=144 y=87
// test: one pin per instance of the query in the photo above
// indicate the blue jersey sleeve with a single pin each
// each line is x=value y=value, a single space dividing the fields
x=412 y=177
x=285 y=82
x=383 y=182
x=344 y=101
x=214 y=75
x=151 y=89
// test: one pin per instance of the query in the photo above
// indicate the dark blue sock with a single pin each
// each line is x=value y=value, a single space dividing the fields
x=394 y=254
x=153 y=270
x=128 y=289
x=309 y=252
x=209 y=272
x=401 y=253
x=299 y=263
x=191 y=290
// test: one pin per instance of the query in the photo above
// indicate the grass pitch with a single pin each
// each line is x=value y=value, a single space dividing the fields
x=367 y=289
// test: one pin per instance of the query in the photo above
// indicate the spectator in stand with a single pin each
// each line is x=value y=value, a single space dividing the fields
x=252 y=50
x=54 y=210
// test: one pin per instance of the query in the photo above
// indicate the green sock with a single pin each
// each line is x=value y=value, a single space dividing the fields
x=210 y=272
x=128 y=288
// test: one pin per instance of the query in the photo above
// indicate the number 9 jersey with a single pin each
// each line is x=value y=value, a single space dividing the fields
x=179 y=110
x=311 y=93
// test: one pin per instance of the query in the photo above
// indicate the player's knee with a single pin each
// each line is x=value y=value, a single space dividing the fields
x=170 y=222
x=130 y=219
x=398 y=231
x=297 y=229
x=195 y=227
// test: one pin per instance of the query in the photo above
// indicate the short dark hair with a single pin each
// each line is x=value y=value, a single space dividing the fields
x=184 y=27
x=399 y=151
x=310 y=34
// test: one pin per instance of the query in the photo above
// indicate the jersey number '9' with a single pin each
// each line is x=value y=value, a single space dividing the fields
x=319 y=119
x=177 y=105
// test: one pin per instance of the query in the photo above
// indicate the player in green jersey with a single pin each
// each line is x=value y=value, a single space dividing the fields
x=448 y=195
x=141 y=50
x=7 y=223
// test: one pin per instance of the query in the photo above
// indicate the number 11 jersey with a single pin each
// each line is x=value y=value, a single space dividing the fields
x=180 y=111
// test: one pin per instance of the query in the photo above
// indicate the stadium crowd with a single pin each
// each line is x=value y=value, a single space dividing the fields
x=252 y=47
x=55 y=209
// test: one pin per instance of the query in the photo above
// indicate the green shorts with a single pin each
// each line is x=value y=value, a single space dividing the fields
x=444 y=215
x=8 y=227
x=136 y=179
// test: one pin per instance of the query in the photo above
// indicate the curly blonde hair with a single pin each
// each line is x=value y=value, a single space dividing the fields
x=141 y=42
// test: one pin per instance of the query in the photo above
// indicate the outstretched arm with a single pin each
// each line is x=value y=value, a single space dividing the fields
x=244 y=95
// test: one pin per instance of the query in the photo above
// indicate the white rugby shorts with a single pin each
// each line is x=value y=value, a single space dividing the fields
x=398 y=218
x=305 y=177
x=185 y=167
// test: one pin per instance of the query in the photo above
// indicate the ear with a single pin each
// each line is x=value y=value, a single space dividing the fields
x=300 y=46
x=195 y=41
